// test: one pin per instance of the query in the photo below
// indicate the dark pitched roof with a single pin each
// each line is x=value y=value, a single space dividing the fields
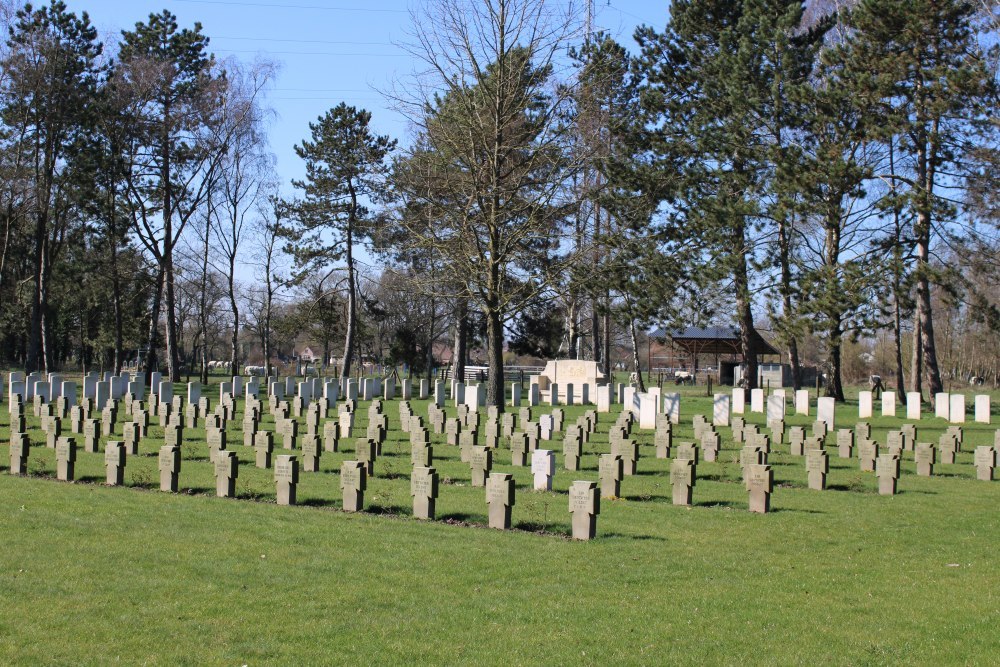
x=712 y=340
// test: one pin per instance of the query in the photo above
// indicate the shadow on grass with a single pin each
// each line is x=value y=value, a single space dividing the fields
x=91 y=479
x=460 y=517
x=638 y=538
x=394 y=510
x=317 y=502
x=647 y=497
x=718 y=503
x=781 y=510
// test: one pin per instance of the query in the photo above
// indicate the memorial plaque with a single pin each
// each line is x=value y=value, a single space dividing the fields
x=169 y=465
x=817 y=468
x=863 y=431
x=572 y=449
x=867 y=455
x=760 y=480
x=584 y=506
x=610 y=474
x=424 y=489
x=887 y=471
x=20 y=447
x=845 y=443
x=543 y=468
x=985 y=462
x=366 y=454
x=263 y=446
x=628 y=450
x=421 y=452
x=663 y=441
x=227 y=469
x=710 y=444
x=797 y=439
x=519 y=449
x=311 y=451
x=500 y=498
x=687 y=451
x=65 y=458
x=924 y=455
x=286 y=478
x=114 y=463
x=353 y=480
x=682 y=478
x=480 y=463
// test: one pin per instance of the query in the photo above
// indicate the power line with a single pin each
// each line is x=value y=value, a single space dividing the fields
x=269 y=4
x=304 y=41
x=314 y=53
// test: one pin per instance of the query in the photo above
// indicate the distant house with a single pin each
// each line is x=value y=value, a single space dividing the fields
x=308 y=355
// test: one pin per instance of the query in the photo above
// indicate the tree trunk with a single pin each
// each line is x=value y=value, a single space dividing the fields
x=916 y=363
x=234 y=358
x=348 y=358
x=494 y=332
x=784 y=252
x=154 y=327
x=173 y=359
x=636 y=364
x=39 y=296
x=744 y=314
x=461 y=341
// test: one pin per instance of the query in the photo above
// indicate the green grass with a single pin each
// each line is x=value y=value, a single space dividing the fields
x=97 y=575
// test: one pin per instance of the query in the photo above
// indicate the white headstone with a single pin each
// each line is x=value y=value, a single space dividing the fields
x=802 y=402
x=756 y=400
x=739 y=401
x=956 y=411
x=55 y=386
x=604 y=397
x=193 y=393
x=277 y=389
x=534 y=395
x=439 y=394
x=68 y=391
x=864 y=404
x=515 y=394
x=776 y=407
x=425 y=390
x=913 y=405
x=543 y=467
x=720 y=412
x=888 y=404
x=672 y=407
x=104 y=393
x=646 y=404
x=458 y=393
x=305 y=391
x=825 y=407
x=628 y=399
x=90 y=386
x=942 y=405
x=982 y=409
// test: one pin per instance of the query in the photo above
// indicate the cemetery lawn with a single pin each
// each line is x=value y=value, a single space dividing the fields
x=96 y=575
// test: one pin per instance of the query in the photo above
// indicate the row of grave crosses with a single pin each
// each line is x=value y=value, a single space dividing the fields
x=462 y=431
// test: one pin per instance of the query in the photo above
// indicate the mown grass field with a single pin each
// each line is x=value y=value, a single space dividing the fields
x=97 y=575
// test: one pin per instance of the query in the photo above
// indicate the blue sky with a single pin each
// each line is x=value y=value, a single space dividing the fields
x=328 y=51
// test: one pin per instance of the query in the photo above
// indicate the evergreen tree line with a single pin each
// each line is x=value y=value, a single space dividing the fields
x=822 y=171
